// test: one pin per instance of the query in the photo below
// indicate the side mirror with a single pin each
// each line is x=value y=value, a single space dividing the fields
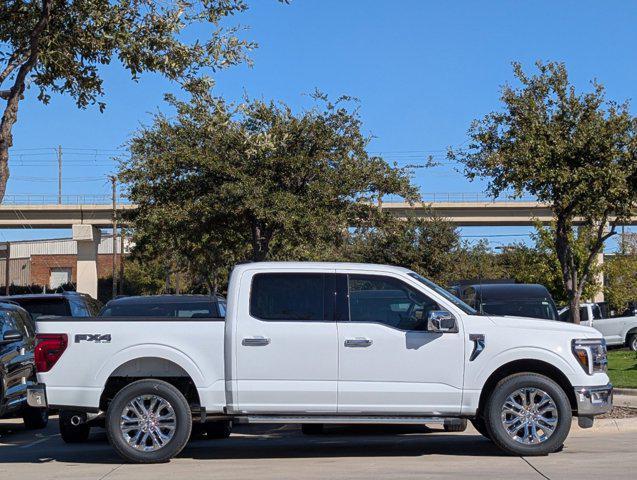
x=441 y=321
x=11 y=336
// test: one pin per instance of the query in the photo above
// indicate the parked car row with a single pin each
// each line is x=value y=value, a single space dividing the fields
x=18 y=316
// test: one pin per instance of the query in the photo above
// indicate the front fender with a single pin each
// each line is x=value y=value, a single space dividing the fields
x=525 y=353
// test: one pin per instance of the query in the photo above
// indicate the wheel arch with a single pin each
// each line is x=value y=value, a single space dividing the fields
x=527 y=366
x=149 y=367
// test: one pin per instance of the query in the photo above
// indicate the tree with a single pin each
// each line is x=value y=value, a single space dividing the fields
x=425 y=245
x=58 y=46
x=575 y=152
x=620 y=288
x=220 y=183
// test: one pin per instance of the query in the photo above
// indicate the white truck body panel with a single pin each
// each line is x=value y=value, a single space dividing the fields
x=304 y=367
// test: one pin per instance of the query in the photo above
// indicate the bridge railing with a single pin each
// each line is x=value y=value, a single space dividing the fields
x=104 y=199
x=52 y=199
x=459 y=197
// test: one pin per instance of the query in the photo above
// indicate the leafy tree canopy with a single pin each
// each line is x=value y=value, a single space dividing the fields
x=575 y=152
x=220 y=183
x=59 y=46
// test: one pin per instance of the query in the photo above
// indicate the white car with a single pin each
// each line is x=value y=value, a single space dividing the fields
x=617 y=331
x=316 y=344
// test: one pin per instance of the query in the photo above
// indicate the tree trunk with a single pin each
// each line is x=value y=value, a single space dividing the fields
x=14 y=95
x=574 y=301
x=567 y=266
x=261 y=237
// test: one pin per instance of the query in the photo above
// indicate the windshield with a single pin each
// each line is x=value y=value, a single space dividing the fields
x=444 y=293
x=538 y=308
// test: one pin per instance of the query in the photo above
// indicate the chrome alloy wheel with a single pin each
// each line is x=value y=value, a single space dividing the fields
x=529 y=416
x=148 y=423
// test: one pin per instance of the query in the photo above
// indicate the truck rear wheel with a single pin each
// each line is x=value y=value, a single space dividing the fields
x=632 y=342
x=528 y=414
x=148 y=421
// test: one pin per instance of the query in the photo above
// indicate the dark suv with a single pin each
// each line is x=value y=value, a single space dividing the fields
x=67 y=304
x=181 y=306
x=17 y=366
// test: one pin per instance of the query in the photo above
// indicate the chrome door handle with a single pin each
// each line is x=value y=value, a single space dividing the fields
x=255 y=341
x=358 y=342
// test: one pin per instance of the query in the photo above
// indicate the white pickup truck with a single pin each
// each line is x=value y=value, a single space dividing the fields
x=617 y=331
x=322 y=343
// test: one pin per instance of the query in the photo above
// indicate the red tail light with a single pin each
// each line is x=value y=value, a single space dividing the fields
x=49 y=349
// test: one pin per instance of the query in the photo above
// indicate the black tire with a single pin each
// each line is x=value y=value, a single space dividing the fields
x=221 y=429
x=180 y=411
x=632 y=342
x=312 y=428
x=35 y=418
x=480 y=425
x=73 y=433
x=495 y=425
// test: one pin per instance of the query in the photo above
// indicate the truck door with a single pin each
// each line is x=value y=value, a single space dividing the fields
x=286 y=343
x=388 y=362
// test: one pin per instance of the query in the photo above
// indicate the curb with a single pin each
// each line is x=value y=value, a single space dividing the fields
x=628 y=392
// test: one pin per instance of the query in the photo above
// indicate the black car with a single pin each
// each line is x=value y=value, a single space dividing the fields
x=67 y=304
x=180 y=306
x=516 y=299
x=17 y=366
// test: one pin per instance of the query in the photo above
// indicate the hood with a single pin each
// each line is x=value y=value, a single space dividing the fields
x=545 y=325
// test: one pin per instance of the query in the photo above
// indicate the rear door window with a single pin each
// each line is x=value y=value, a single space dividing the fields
x=292 y=296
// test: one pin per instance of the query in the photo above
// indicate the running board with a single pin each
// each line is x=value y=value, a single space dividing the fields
x=342 y=419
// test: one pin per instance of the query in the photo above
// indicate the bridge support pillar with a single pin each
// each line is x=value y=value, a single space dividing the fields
x=599 y=296
x=87 y=238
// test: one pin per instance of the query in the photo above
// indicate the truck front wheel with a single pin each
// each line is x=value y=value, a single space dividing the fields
x=632 y=342
x=148 y=421
x=528 y=414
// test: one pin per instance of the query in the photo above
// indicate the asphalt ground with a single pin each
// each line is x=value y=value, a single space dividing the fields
x=609 y=451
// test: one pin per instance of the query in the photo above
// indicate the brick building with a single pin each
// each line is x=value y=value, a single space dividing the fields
x=51 y=263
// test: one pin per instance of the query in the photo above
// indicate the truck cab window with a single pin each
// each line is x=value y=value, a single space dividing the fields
x=389 y=301
x=290 y=297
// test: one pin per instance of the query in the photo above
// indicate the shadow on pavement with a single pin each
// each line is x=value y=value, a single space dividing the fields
x=259 y=442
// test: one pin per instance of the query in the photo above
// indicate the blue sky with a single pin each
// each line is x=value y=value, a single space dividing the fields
x=421 y=69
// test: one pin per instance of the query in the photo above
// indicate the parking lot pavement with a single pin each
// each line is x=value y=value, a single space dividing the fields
x=608 y=451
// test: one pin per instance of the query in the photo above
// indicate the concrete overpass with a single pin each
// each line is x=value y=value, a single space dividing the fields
x=44 y=211
x=86 y=214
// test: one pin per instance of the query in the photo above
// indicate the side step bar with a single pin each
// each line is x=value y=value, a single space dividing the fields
x=348 y=420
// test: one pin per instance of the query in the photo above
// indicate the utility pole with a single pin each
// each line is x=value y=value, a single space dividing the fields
x=5 y=251
x=114 y=237
x=59 y=174
x=121 y=260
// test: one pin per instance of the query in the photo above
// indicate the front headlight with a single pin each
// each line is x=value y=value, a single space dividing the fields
x=591 y=354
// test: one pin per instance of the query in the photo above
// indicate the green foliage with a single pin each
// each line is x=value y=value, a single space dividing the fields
x=575 y=152
x=217 y=184
x=426 y=246
x=142 y=35
x=60 y=46
x=620 y=288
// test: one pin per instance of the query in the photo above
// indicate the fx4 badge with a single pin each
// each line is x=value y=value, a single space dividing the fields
x=93 y=337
